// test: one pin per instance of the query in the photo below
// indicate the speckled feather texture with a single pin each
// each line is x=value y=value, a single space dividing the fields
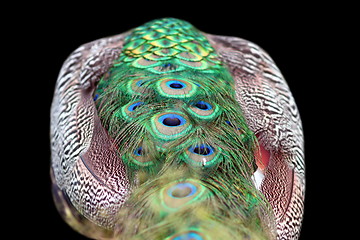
x=166 y=132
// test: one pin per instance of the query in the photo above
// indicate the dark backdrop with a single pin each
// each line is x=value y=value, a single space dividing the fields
x=297 y=37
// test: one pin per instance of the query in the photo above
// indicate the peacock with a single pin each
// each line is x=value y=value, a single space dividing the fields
x=167 y=132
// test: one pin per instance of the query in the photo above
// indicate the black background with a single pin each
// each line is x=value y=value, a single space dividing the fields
x=302 y=39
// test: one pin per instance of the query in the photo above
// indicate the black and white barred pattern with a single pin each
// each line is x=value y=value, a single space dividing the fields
x=271 y=113
x=97 y=191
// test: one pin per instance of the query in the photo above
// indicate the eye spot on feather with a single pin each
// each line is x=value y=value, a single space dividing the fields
x=190 y=235
x=128 y=111
x=182 y=190
x=139 y=83
x=139 y=151
x=172 y=120
x=202 y=149
x=175 y=84
x=179 y=193
x=176 y=88
x=202 y=155
x=133 y=106
x=204 y=110
x=170 y=125
x=137 y=158
x=203 y=105
x=140 y=158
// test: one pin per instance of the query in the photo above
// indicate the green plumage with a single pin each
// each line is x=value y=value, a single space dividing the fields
x=169 y=104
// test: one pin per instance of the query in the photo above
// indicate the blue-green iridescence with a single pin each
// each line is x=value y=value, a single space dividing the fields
x=169 y=104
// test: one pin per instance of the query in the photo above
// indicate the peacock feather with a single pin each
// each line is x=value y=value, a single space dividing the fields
x=171 y=146
x=167 y=102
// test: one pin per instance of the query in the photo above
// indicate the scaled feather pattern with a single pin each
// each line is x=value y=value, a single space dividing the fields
x=166 y=132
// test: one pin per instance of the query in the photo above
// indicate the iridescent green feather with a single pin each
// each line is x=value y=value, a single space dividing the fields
x=169 y=104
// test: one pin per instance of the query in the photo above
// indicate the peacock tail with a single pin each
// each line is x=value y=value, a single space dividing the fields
x=169 y=104
x=163 y=148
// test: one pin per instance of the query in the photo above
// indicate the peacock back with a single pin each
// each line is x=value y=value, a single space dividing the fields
x=165 y=132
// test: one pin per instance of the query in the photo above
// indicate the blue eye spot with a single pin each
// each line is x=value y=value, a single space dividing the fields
x=139 y=151
x=96 y=97
x=182 y=190
x=172 y=120
x=202 y=149
x=175 y=84
x=203 y=105
x=189 y=236
x=140 y=83
x=133 y=106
